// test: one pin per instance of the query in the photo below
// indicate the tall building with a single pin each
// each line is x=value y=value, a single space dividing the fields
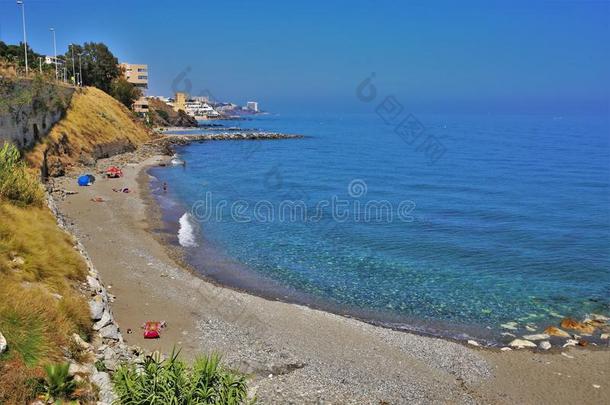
x=180 y=101
x=252 y=106
x=137 y=75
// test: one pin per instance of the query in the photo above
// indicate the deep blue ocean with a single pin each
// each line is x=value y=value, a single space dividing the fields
x=454 y=226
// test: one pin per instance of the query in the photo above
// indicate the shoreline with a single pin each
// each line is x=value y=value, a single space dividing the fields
x=306 y=351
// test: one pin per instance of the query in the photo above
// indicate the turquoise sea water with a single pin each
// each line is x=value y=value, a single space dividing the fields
x=510 y=223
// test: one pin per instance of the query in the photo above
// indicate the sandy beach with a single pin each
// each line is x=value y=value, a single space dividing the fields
x=295 y=354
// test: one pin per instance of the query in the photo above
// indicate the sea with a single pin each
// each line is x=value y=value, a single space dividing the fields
x=446 y=225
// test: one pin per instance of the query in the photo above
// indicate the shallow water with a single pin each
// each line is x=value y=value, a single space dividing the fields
x=511 y=223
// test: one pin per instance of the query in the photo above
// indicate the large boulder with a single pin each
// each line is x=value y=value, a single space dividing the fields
x=103 y=382
x=585 y=329
x=521 y=343
x=96 y=307
x=555 y=331
x=110 y=332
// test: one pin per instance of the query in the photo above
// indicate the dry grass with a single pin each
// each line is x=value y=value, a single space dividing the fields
x=31 y=235
x=93 y=118
x=37 y=259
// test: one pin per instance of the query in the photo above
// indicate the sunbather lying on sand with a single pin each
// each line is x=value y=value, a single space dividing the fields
x=121 y=190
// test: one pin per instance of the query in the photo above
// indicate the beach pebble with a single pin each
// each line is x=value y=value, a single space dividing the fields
x=506 y=349
x=539 y=336
x=473 y=343
x=3 y=343
x=508 y=334
x=544 y=345
x=596 y=386
x=605 y=336
x=598 y=317
x=521 y=343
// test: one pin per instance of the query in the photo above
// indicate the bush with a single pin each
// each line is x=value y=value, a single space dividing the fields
x=17 y=184
x=58 y=382
x=172 y=382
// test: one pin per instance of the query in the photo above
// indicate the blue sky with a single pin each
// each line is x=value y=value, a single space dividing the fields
x=512 y=56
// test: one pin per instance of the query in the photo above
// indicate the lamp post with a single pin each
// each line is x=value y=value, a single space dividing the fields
x=55 y=52
x=73 y=66
x=25 y=40
x=80 y=69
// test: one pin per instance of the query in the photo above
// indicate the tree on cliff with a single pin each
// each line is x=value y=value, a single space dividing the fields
x=124 y=91
x=99 y=66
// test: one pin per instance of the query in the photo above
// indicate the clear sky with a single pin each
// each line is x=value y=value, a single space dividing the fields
x=512 y=56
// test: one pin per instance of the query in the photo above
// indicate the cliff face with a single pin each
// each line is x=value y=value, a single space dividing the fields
x=29 y=109
x=95 y=126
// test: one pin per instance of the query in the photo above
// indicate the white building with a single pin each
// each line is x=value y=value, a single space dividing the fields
x=200 y=110
x=252 y=106
x=50 y=60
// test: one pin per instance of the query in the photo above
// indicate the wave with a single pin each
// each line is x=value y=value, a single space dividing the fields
x=186 y=233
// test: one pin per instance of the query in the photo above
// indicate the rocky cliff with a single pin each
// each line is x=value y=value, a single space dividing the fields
x=95 y=126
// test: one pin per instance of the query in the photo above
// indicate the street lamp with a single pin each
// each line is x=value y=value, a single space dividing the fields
x=80 y=69
x=73 y=66
x=25 y=40
x=55 y=51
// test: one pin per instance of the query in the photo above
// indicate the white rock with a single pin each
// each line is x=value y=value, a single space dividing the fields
x=508 y=334
x=521 y=343
x=598 y=317
x=570 y=342
x=80 y=342
x=106 y=319
x=103 y=382
x=596 y=386
x=96 y=308
x=110 y=332
x=509 y=325
x=3 y=343
x=473 y=343
x=76 y=368
x=506 y=349
x=539 y=336
x=544 y=345
x=94 y=283
x=604 y=336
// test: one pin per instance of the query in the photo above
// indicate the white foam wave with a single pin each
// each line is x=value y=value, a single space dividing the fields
x=186 y=233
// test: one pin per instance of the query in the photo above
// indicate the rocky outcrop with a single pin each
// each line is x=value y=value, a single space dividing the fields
x=29 y=109
x=163 y=115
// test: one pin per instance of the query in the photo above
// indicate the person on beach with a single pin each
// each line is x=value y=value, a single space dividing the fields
x=164 y=187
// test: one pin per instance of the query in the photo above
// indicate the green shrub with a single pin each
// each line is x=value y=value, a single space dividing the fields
x=17 y=184
x=58 y=382
x=172 y=382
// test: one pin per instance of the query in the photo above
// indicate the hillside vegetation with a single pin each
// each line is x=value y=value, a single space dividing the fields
x=95 y=126
x=40 y=304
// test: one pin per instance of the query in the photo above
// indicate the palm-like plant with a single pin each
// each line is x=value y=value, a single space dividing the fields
x=171 y=382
